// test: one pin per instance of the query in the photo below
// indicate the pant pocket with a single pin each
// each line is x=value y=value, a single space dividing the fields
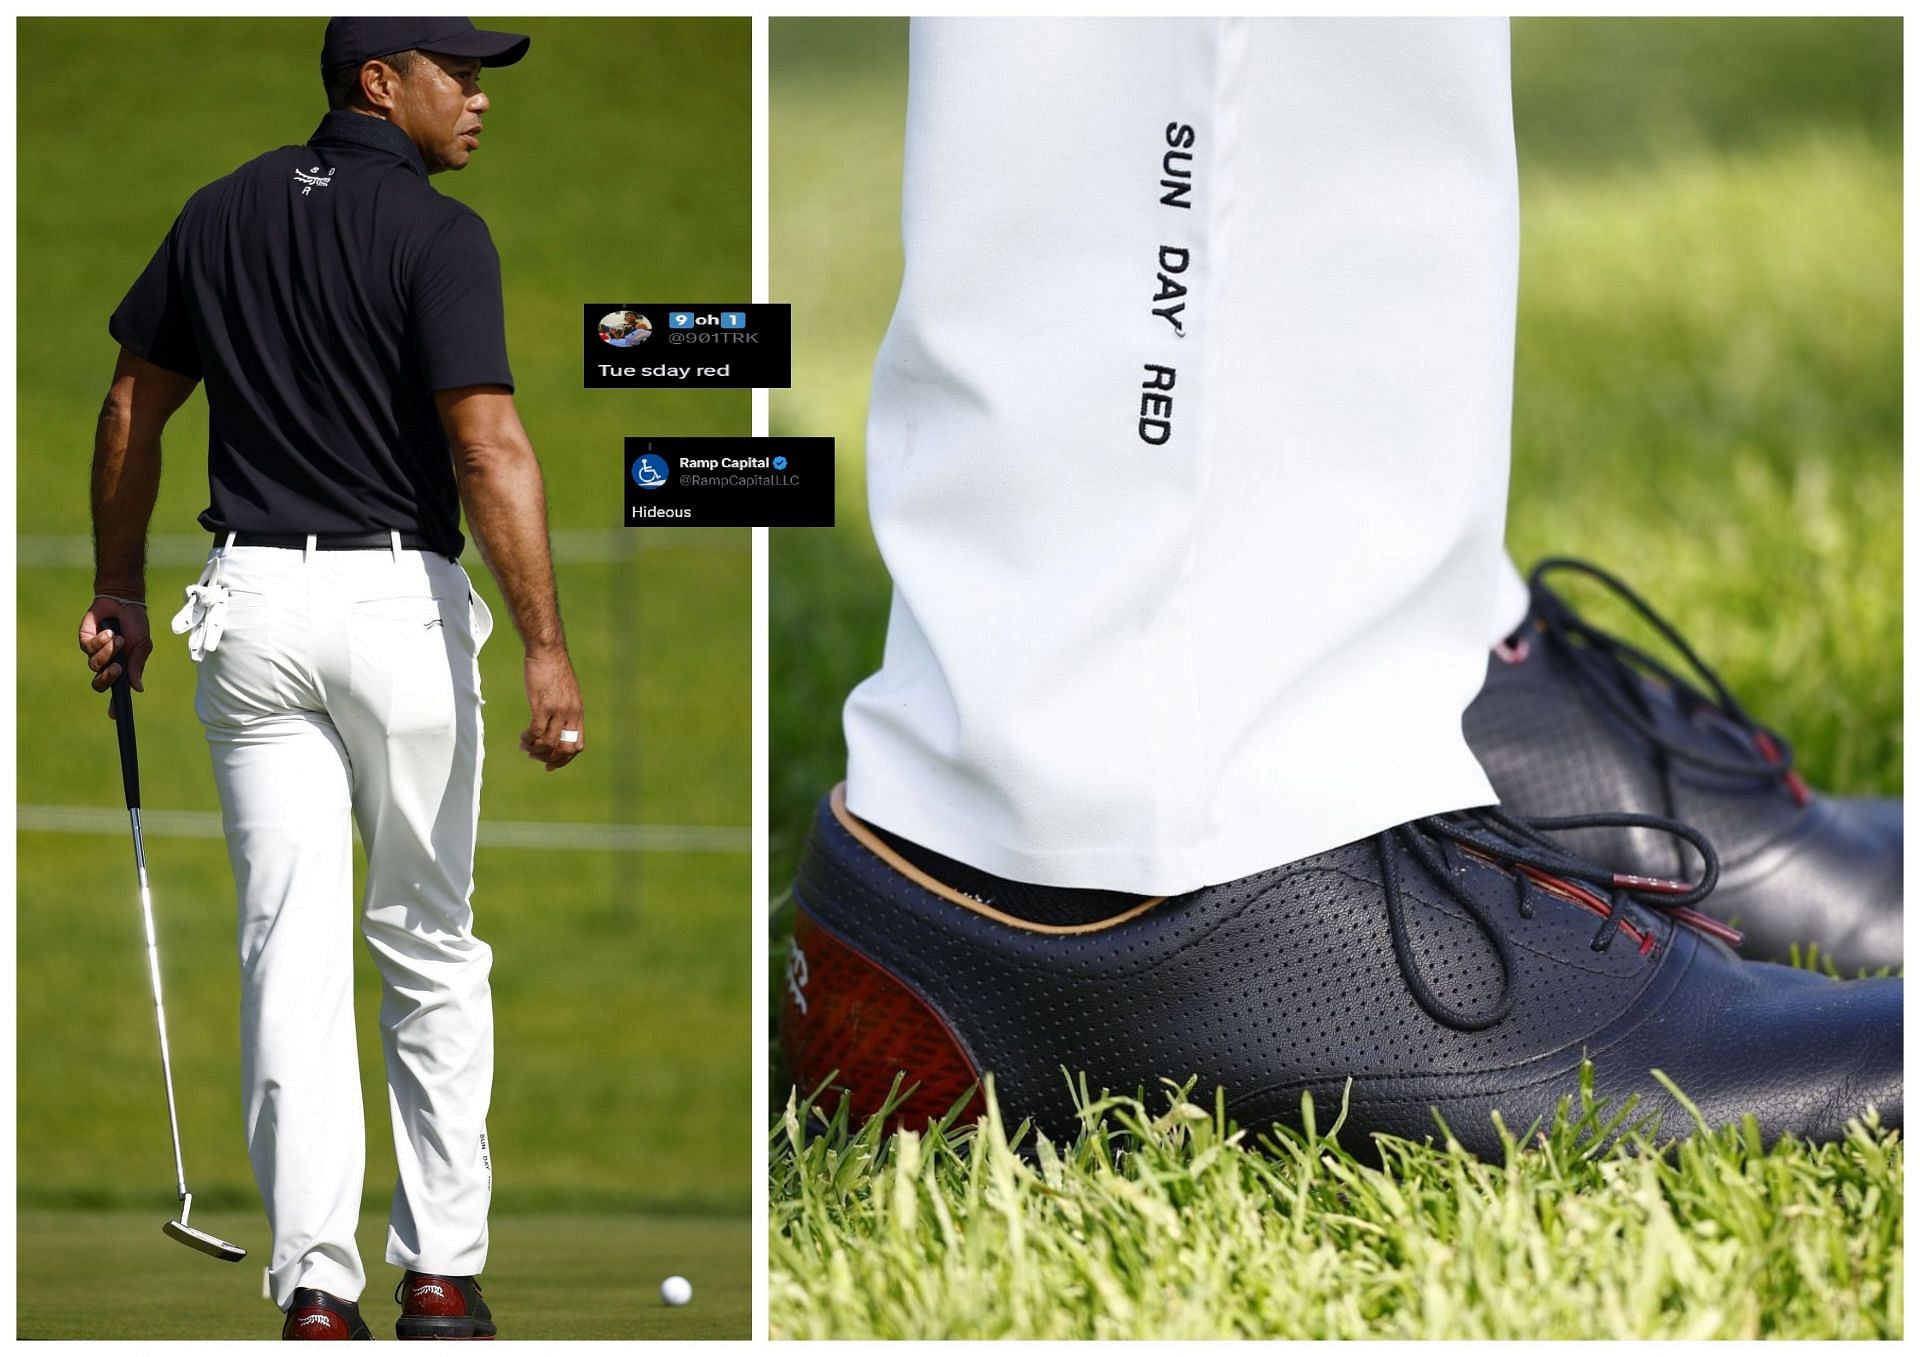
x=243 y=680
x=403 y=664
x=481 y=619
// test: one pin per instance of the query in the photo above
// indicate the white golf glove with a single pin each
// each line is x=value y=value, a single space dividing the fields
x=203 y=618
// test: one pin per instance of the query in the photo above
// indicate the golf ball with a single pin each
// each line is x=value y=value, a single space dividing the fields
x=676 y=1291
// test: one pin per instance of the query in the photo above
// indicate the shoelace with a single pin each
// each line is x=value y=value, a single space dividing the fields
x=1538 y=866
x=1611 y=669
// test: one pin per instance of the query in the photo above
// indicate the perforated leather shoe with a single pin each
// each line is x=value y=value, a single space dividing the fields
x=433 y=1306
x=319 y=1314
x=1572 y=717
x=1457 y=965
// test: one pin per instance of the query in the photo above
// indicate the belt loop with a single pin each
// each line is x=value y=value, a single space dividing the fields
x=311 y=541
x=393 y=535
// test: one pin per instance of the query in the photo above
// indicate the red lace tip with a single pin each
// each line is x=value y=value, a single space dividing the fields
x=1652 y=885
x=1770 y=751
x=1712 y=927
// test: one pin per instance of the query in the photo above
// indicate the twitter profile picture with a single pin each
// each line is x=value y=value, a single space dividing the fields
x=650 y=471
x=624 y=329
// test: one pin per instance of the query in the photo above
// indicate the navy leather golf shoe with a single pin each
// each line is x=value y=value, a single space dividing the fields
x=1458 y=966
x=1572 y=717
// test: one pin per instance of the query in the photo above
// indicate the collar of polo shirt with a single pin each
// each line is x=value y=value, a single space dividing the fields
x=363 y=129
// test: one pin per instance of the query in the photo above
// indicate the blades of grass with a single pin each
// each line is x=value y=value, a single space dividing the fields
x=1168 y=1222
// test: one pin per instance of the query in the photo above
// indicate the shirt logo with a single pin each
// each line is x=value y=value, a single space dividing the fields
x=313 y=179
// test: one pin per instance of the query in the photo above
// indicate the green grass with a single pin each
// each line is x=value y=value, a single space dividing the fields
x=621 y=984
x=619 y=1086
x=1707 y=401
x=1169 y=1222
x=98 y=1274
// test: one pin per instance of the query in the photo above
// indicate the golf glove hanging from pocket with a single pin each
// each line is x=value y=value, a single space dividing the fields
x=204 y=616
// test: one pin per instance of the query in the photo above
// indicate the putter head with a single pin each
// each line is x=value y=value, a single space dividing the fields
x=201 y=1240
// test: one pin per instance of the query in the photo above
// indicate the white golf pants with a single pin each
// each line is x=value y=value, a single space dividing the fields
x=1188 y=443
x=345 y=684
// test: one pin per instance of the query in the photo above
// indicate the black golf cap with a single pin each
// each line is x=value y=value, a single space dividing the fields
x=352 y=41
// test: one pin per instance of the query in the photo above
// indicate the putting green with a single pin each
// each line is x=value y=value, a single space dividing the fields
x=111 y=1274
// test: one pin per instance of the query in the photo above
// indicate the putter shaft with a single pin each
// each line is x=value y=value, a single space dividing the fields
x=130 y=778
x=159 y=1008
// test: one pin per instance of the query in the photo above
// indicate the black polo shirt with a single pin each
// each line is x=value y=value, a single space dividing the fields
x=324 y=293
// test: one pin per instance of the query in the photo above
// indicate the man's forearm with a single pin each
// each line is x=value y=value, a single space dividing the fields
x=126 y=482
x=506 y=505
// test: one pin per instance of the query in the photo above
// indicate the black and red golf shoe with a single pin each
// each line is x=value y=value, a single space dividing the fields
x=1458 y=965
x=321 y=1314
x=433 y=1306
x=1573 y=717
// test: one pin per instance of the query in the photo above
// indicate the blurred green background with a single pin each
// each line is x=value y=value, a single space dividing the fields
x=621 y=955
x=1708 y=383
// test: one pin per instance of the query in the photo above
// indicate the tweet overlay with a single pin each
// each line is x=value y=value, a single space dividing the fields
x=729 y=482
x=655 y=345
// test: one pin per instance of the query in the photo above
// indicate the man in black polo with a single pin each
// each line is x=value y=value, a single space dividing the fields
x=347 y=322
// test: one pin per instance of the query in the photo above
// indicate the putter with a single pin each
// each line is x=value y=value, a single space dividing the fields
x=130 y=777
